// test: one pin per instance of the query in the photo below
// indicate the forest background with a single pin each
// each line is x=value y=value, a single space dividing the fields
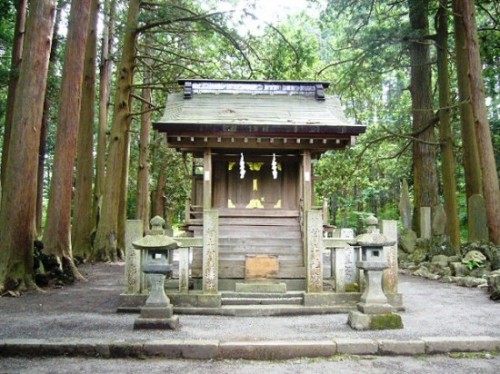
x=81 y=82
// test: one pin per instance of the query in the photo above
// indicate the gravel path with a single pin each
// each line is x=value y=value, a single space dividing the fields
x=87 y=310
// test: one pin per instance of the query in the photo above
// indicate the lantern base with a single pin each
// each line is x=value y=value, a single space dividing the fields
x=387 y=321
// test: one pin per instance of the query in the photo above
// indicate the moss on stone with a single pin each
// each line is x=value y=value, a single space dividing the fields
x=388 y=321
x=352 y=287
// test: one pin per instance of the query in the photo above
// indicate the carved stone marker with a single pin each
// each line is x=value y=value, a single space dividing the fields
x=134 y=230
x=439 y=221
x=314 y=249
x=210 y=251
x=425 y=222
x=405 y=205
x=478 y=226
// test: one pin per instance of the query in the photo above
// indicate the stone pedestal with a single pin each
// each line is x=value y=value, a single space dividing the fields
x=157 y=313
x=373 y=300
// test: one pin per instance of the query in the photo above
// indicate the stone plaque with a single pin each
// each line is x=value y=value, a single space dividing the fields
x=261 y=267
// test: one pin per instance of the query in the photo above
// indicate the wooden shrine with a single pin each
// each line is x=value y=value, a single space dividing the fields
x=251 y=223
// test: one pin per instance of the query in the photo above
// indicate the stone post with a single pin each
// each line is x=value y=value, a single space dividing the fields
x=390 y=275
x=133 y=273
x=425 y=223
x=183 y=269
x=314 y=250
x=340 y=263
x=210 y=251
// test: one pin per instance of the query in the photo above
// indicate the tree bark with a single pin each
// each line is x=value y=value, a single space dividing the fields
x=472 y=165
x=483 y=135
x=17 y=213
x=47 y=104
x=158 y=194
x=57 y=235
x=122 y=211
x=445 y=133
x=104 y=88
x=143 y=169
x=17 y=51
x=107 y=230
x=82 y=217
x=424 y=155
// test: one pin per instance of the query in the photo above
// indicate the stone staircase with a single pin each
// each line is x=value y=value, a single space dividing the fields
x=261 y=298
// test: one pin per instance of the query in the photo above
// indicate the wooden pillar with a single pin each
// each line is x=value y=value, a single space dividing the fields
x=210 y=251
x=207 y=179
x=314 y=249
x=307 y=180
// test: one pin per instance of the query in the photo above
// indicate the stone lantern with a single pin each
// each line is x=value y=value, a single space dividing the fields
x=157 y=312
x=374 y=311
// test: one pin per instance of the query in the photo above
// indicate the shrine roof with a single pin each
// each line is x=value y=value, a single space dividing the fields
x=263 y=107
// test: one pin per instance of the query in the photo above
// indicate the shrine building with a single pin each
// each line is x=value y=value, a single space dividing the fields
x=252 y=226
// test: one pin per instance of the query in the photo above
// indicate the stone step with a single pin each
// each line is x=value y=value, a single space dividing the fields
x=262 y=295
x=262 y=301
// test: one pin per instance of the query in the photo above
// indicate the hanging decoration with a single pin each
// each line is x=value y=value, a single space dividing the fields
x=242 y=167
x=274 y=167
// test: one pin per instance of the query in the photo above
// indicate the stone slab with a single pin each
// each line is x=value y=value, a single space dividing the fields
x=261 y=287
x=190 y=349
x=348 y=299
x=276 y=350
x=199 y=300
x=401 y=348
x=435 y=345
x=356 y=346
x=125 y=348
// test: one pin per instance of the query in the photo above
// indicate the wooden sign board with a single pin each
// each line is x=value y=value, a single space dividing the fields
x=261 y=267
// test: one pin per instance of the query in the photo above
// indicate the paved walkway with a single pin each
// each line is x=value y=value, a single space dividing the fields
x=81 y=320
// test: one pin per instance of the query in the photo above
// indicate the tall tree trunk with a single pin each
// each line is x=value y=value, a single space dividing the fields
x=50 y=94
x=17 y=213
x=104 y=86
x=424 y=153
x=485 y=145
x=158 y=194
x=472 y=165
x=445 y=133
x=122 y=211
x=143 y=169
x=57 y=235
x=107 y=230
x=82 y=216
x=17 y=51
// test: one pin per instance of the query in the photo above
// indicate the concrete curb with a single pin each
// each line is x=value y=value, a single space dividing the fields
x=247 y=350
